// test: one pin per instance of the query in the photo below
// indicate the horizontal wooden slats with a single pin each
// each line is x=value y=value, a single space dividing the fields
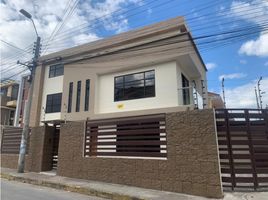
x=129 y=154
x=11 y=139
x=243 y=147
x=142 y=136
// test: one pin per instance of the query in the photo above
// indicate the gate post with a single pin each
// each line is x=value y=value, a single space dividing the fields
x=230 y=150
x=252 y=157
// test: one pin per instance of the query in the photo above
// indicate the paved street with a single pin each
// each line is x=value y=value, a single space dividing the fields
x=11 y=190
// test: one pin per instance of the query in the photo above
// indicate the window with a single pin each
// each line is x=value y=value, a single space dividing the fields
x=87 y=94
x=78 y=95
x=14 y=93
x=53 y=103
x=70 y=97
x=185 y=90
x=56 y=70
x=134 y=86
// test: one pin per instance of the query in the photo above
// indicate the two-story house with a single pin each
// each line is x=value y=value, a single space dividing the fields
x=154 y=69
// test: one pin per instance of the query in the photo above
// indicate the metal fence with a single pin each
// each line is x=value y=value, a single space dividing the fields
x=11 y=138
x=243 y=147
x=143 y=136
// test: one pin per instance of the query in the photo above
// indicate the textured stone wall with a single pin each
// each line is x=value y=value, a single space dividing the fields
x=11 y=161
x=192 y=165
x=39 y=156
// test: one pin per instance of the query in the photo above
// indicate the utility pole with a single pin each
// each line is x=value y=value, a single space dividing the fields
x=259 y=91
x=257 y=100
x=223 y=92
x=32 y=67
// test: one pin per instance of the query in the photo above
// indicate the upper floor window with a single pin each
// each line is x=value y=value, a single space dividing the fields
x=53 y=103
x=56 y=70
x=134 y=86
x=87 y=91
x=14 y=92
x=78 y=96
x=185 y=90
x=70 y=97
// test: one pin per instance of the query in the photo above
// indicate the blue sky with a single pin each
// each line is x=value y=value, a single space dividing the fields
x=241 y=63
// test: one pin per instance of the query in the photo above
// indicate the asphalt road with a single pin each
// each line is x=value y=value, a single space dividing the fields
x=11 y=190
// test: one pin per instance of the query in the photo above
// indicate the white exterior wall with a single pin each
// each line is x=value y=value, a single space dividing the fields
x=166 y=94
x=51 y=86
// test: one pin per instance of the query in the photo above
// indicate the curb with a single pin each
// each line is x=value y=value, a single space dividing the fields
x=70 y=188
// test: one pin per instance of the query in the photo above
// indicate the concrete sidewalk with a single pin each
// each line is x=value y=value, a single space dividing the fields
x=112 y=191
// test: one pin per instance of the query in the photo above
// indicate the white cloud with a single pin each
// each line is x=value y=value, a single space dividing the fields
x=244 y=96
x=243 y=10
x=258 y=47
x=243 y=62
x=211 y=65
x=93 y=15
x=232 y=76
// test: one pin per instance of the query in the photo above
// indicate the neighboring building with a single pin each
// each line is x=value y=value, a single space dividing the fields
x=215 y=100
x=22 y=100
x=150 y=70
x=8 y=97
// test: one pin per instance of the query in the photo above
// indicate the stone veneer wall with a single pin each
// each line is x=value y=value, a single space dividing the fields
x=192 y=164
x=40 y=151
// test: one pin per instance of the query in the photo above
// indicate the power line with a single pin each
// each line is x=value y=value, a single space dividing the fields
x=12 y=45
x=68 y=36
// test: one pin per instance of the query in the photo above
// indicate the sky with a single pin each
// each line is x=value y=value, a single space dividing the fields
x=66 y=23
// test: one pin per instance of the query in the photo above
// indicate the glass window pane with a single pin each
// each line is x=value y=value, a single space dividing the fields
x=134 y=86
x=119 y=79
x=149 y=74
x=59 y=70
x=149 y=82
x=78 y=94
x=53 y=103
x=87 y=92
x=119 y=94
x=134 y=77
x=70 y=98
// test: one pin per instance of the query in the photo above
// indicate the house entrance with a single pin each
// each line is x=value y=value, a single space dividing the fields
x=55 y=147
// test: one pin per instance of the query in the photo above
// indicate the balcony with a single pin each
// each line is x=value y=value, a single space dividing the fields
x=12 y=103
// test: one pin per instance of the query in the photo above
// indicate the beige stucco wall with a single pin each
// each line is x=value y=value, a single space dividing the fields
x=51 y=86
x=165 y=91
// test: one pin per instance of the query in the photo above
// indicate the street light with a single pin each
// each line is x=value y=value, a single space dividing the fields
x=32 y=67
x=29 y=16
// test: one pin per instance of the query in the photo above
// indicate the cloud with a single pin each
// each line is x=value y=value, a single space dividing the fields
x=243 y=62
x=266 y=64
x=92 y=18
x=232 y=76
x=243 y=10
x=211 y=65
x=238 y=98
x=258 y=47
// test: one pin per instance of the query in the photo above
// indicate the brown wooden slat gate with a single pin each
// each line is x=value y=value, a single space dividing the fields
x=243 y=147
x=140 y=136
x=11 y=138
